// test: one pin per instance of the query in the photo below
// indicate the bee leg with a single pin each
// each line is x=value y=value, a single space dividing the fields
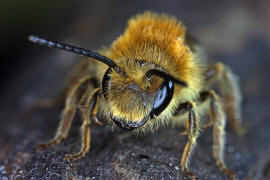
x=73 y=100
x=230 y=92
x=192 y=130
x=89 y=113
x=218 y=118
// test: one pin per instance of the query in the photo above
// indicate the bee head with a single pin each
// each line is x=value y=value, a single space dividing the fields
x=138 y=97
x=133 y=97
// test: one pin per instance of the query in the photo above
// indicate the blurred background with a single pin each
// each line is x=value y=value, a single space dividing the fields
x=234 y=32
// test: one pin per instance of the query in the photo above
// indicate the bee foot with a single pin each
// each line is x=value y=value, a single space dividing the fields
x=231 y=174
x=48 y=144
x=189 y=174
x=183 y=133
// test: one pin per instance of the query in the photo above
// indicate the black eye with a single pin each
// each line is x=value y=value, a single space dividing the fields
x=106 y=82
x=163 y=98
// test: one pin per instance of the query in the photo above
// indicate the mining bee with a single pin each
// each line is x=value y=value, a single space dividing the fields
x=152 y=75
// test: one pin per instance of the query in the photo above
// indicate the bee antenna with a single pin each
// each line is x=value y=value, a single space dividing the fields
x=76 y=50
x=164 y=75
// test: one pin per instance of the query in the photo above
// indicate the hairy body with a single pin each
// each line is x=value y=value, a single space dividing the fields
x=159 y=78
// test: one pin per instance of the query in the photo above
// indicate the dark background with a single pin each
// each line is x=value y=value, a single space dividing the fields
x=234 y=32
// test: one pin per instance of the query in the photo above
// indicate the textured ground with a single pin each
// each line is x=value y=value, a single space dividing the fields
x=234 y=33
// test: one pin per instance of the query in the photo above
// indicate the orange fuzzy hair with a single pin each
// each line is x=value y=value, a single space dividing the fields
x=158 y=39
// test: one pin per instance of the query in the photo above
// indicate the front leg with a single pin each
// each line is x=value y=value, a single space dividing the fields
x=74 y=99
x=89 y=113
x=192 y=130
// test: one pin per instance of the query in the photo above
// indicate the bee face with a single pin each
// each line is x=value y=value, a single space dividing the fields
x=134 y=101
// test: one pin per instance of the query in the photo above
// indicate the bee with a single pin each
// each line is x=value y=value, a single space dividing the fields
x=152 y=75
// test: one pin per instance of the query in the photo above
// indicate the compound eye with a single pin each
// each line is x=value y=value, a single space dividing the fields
x=106 y=82
x=163 y=98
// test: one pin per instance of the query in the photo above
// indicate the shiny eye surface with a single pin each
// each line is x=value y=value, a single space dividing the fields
x=106 y=83
x=163 y=98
